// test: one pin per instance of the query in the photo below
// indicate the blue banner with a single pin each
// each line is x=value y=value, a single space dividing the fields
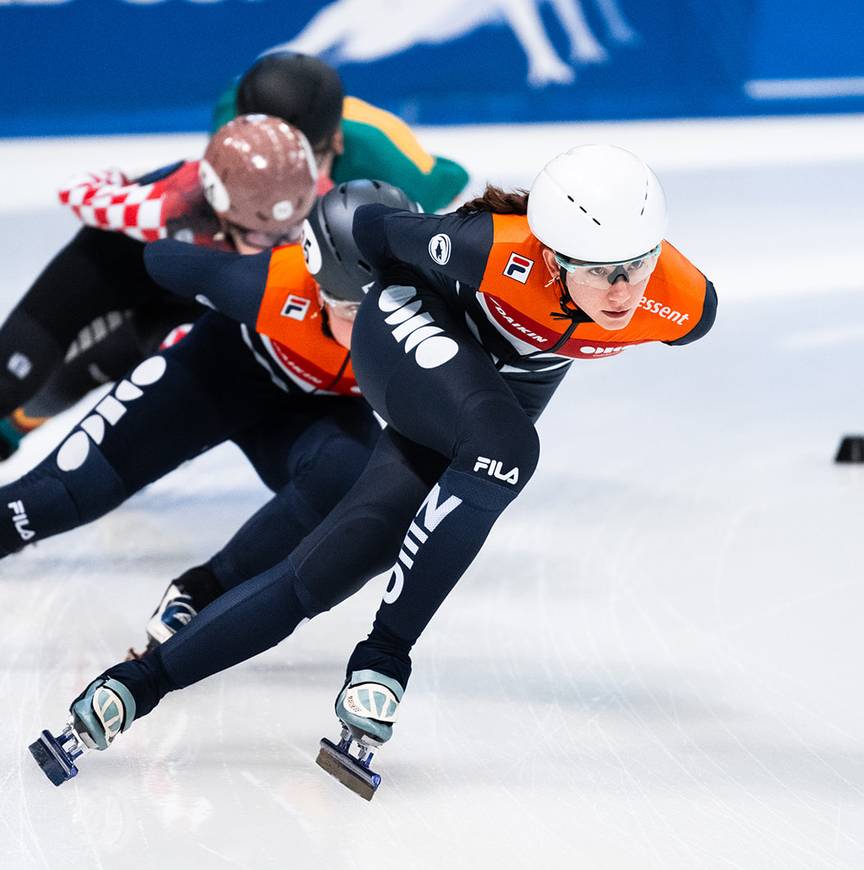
x=89 y=66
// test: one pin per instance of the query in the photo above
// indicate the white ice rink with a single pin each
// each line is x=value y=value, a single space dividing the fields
x=654 y=664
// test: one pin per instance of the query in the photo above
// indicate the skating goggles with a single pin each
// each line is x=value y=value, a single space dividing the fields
x=601 y=275
x=341 y=307
x=258 y=239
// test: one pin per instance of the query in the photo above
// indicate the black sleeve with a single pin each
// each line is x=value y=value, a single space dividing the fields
x=450 y=246
x=706 y=321
x=231 y=283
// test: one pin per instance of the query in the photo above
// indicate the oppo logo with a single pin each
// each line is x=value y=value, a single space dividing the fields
x=432 y=512
x=75 y=449
x=588 y=350
x=415 y=327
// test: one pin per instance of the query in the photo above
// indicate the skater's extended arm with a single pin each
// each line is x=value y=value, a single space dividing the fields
x=231 y=283
x=166 y=203
x=453 y=247
x=705 y=322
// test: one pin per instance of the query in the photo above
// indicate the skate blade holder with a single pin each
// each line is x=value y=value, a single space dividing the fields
x=353 y=772
x=56 y=755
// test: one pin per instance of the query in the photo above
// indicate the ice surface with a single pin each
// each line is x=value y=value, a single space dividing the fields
x=654 y=663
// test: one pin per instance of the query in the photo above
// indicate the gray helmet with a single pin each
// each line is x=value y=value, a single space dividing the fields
x=332 y=256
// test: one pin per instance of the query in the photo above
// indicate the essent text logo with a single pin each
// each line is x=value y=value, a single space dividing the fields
x=664 y=311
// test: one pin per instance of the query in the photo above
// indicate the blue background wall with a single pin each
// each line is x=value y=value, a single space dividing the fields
x=89 y=66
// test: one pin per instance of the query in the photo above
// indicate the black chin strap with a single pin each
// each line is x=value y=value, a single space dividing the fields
x=568 y=311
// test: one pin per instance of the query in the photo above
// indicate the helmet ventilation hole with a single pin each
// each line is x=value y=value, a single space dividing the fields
x=582 y=209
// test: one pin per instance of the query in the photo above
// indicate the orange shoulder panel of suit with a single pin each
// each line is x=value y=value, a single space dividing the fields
x=290 y=292
x=671 y=307
x=512 y=237
x=532 y=297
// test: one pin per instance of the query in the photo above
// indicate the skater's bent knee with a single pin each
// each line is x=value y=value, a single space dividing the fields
x=497 y=437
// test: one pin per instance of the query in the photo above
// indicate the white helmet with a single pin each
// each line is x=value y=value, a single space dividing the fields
x=597 y=203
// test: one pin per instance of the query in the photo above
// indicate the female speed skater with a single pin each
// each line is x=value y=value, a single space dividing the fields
x=474 y=320
x=285 y=395
x=57 y=345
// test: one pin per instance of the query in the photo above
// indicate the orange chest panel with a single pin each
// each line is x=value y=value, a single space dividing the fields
x=289 y=322
x=518 y=302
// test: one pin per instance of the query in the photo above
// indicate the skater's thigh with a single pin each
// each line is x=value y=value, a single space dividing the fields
x=170 y=408
x=97 y=272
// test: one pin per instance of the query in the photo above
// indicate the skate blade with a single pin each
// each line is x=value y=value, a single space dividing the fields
x=347 y=770
x=53 y=759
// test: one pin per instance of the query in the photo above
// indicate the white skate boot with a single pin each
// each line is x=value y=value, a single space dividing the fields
x=105 y=709
x=367 y=707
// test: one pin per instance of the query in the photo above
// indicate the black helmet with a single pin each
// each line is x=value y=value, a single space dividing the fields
x=298 y=88
x=332 y=256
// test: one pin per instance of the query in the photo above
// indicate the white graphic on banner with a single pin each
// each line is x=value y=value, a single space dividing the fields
x=367 y=30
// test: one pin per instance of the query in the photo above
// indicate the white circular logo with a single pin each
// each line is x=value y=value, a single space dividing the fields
x=439 y=248
x=214 y=190
x=311 y=249
x=283 y=210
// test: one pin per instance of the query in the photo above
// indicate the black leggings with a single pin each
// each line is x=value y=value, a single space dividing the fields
x=459 y=449
x=98 y=277
x=178 y=404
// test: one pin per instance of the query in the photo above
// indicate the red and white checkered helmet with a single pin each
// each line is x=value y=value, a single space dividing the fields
x=259 y=174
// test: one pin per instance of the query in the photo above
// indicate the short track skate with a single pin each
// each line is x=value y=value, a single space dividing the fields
x=102 y=711
x=352 y=771
x=57 y=755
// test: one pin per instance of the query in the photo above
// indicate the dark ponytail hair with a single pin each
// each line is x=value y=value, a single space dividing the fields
x=497 y=201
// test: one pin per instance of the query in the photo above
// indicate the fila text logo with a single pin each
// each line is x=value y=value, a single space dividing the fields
x=433 y=512
x=439 y=248
x=518 y=268
x=75 y=449
x=494 y=469
x=295 y=307
x=415 y=327
x=19 y=517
